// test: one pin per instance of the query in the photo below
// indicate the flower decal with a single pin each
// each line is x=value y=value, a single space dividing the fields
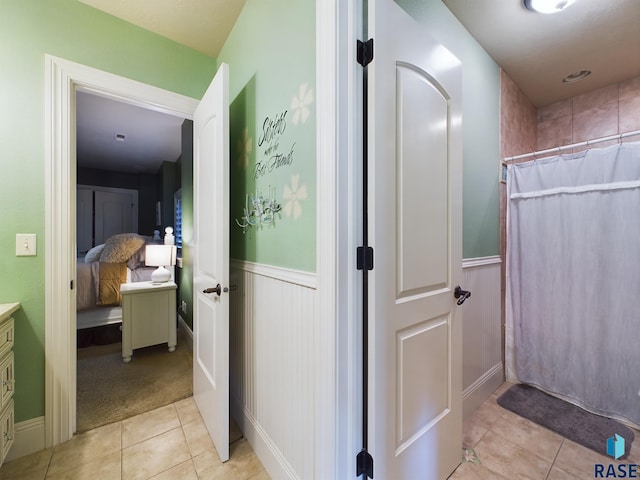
x=292 y=196
x=300 y=104
x=245 y=146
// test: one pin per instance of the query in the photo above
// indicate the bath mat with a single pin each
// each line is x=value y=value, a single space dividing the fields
x=564 y=418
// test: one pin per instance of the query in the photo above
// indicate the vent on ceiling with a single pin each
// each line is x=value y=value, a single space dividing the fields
x=120 y=137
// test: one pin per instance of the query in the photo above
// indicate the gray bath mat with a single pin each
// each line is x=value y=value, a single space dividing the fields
x=564 y=418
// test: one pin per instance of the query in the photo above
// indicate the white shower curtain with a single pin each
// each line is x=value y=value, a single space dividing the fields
x=573 y=278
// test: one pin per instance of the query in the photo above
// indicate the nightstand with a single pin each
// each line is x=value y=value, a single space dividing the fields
x=148 y=316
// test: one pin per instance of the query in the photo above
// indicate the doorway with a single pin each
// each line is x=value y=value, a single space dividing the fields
x=127 y=164
x=63 y=78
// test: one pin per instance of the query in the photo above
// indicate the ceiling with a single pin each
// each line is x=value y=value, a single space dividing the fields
x=203 y=25
x=537 y=51
x=150 y=137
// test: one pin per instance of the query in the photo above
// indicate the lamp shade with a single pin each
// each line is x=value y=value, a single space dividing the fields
x=160 y=256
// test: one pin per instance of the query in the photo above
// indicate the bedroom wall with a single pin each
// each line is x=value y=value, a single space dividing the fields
x=146 y=184
x=71 y=30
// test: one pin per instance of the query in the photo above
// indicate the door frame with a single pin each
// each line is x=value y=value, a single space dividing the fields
x=62 y=79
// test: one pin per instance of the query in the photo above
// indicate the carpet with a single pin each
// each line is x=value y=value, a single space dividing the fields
x=564 y=418
x=109 y=390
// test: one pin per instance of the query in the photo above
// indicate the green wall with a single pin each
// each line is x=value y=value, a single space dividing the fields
x=480 y=124
x=271 y=57
x=71 y=30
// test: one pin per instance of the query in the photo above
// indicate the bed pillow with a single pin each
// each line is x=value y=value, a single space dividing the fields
x=93 y=255
x=119 y=248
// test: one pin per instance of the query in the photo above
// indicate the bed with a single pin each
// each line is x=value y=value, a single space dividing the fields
x=101 y=272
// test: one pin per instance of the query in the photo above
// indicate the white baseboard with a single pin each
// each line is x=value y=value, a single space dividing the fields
x=29 y=438
x=182 y=324
x=481 y=389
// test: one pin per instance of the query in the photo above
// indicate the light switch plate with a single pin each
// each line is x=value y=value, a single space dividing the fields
x=25 y=244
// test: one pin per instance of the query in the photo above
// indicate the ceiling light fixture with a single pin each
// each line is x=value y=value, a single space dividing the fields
x=547 y=6
x=576 y=76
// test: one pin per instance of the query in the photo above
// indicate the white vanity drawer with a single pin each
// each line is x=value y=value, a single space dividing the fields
x=8 y=381
x=8 y=431
x=6 y=337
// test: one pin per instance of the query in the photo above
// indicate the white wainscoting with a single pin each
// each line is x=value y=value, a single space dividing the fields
x=482 y=363
x=272 y=315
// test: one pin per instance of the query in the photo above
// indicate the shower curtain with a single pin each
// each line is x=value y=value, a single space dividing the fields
x=573 y=278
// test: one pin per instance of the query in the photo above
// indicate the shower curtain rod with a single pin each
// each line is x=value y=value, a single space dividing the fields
x=587 y=143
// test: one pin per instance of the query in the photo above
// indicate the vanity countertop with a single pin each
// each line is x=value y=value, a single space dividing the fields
x=6 y=309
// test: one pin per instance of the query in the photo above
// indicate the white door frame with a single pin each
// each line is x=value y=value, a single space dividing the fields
x=62 y=79
x=339 y=210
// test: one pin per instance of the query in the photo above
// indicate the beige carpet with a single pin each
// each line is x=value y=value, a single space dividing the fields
x=110 y=390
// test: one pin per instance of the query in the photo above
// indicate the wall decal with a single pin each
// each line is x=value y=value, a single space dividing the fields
x=300 y=103
x=245 y=147
x=269 y=139
x=292 y=195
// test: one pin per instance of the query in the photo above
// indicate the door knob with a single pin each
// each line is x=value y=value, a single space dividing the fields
x=461 y=294
x=217 y=289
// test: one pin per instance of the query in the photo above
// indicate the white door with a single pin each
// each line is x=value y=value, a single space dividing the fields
x=415 y=157
x=116 y=211
x=211 y=260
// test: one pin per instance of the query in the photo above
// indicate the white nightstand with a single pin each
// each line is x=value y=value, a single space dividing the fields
x=148 y=316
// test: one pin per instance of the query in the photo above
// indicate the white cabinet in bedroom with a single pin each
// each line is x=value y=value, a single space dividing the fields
x=8 y=380
x=148 y=316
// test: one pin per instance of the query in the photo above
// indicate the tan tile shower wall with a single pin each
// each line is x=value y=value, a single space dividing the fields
x=606 y=111
x=518 y=121
x=518 y=126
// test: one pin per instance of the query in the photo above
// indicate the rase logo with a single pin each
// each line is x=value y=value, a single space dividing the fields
x=615 y=449
x=615 y=446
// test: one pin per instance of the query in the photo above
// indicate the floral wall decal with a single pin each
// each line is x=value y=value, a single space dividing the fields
x=245 y=147
x=300 y=103
x=292 y=195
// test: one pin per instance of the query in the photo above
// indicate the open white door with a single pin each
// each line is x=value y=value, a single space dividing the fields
x=415 y=159
x=211 y=260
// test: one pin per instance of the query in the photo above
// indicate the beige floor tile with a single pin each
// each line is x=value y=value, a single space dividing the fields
x=209 y=468
x=198 y=438
x=487 y=414
x=86 y=447
x=528 y=435
x=188 y=410
x=105 y=468
x=183 y=471
x=244 y=459
x=557 y=474
x=510 y=460
x=29 y=467
x=262 y=475
x=472 y=432
x=579 y=461
x=146 y=425
x=155 y=455
x=473 y=471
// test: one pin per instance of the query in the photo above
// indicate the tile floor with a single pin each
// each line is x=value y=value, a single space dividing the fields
x=168 y=443
x=509 y=447
x=172 y=443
